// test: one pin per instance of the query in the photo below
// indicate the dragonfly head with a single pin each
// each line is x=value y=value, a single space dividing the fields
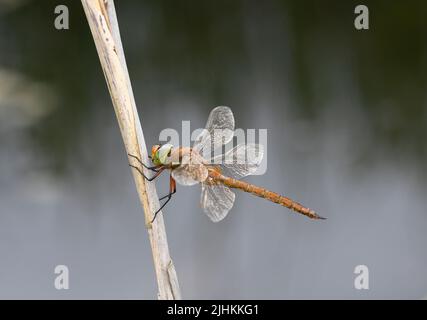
x=160 y=153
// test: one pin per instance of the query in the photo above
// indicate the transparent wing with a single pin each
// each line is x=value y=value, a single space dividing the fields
x=216 y=200
x=241 y=161
x=219 y=130
x=191 y=171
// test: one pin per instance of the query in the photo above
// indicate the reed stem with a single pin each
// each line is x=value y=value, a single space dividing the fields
x=102 y=19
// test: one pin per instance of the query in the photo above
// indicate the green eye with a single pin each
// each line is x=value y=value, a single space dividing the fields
x=163 y=153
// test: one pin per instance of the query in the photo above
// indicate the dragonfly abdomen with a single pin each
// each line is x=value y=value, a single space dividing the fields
x=266 y=194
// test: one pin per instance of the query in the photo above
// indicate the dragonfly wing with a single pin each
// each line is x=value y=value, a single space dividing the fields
x=216 y=200
x=241 y=161
x=191 y=171
x=219 y=130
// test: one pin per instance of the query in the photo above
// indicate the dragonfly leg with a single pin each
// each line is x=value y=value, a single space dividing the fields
x=153 y=168
x=168 y=195
x=172 y=190
x=158 y=172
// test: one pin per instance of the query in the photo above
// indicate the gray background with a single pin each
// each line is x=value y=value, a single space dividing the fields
x=346 y=117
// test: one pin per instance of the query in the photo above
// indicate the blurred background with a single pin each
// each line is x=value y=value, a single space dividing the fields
x=347 y=126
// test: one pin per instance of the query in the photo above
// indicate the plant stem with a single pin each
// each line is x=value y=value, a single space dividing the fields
x=102 y=19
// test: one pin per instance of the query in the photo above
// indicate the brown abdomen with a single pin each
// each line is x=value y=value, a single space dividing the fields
x=266 y=194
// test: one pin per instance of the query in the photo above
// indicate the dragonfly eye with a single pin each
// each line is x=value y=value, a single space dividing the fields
x=164 y=152
x=154 y=149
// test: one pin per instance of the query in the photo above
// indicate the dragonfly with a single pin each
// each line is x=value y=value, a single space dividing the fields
x=219 y=174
